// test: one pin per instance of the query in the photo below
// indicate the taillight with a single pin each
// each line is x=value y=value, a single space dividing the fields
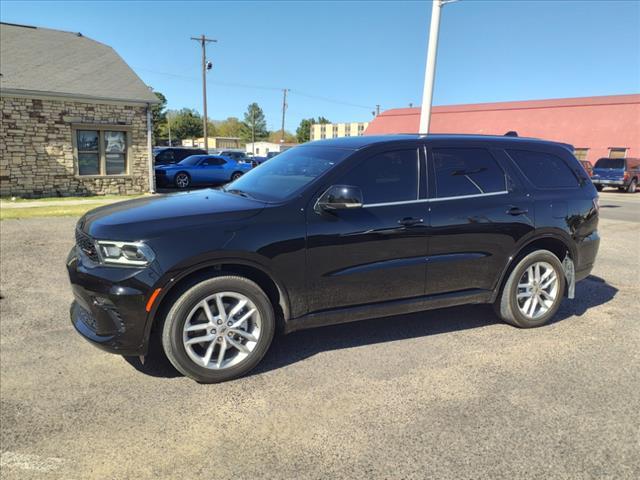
x=596 y=203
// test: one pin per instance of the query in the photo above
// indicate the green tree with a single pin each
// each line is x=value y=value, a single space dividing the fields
x=288 y=137
x=185 y=123
x=159 y=117
x=231 y=127
x=254 y=125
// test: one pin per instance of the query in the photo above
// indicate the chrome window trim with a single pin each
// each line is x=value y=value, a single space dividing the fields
x=427 y=200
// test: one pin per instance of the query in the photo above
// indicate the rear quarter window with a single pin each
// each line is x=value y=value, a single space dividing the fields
x=544 y=170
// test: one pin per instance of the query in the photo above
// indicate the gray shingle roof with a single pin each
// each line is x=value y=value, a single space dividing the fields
x=40 y=60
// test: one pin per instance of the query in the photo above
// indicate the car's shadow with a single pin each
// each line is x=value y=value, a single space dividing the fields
x=289 y=349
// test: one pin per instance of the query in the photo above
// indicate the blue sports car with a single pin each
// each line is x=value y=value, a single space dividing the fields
x=200 y=170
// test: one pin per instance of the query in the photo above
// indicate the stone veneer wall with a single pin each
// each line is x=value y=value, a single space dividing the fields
x=36 y=148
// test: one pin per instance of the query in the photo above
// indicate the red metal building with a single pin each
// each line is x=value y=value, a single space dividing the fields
x=596 y=126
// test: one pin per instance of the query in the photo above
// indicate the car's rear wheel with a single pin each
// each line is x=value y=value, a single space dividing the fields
x=632 y=186
x=182 y=180
x=219 y=329
x=599 y=188
x=236 y=175
x=533 y=292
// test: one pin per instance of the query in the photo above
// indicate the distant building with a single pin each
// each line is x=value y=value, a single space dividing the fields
x=335 y=130
x=607 y=126
x=75 y=117
x=214 y=142
x=260 y=149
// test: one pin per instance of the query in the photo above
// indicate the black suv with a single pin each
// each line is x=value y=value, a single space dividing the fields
x=168 y=155
x=335 y=231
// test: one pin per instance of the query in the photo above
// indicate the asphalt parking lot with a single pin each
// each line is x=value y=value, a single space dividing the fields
x=443 y=394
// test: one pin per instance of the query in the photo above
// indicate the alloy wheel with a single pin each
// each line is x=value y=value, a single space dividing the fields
x=222 y=330
x=182 y=180
x=537 y=290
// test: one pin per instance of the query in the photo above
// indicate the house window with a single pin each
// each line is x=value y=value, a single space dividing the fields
x=335 y=131
x=581 y=153
x=617 y=152
x=347 y=130
x=360 y=128
x=101 y=151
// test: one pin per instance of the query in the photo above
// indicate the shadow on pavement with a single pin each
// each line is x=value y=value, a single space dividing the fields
x=289 y=349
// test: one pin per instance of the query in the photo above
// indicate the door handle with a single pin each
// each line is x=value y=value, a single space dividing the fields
x=517 y=211
x=410 y=221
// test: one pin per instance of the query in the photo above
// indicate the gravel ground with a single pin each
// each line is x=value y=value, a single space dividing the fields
x=442 y=394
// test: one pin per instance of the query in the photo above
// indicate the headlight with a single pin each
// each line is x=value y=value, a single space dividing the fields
x=125 y=253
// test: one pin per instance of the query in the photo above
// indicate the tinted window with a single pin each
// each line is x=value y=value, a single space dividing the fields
x=544 y=169
x=610 y=163
x=214 y=161
x=386 y=177
x=466 y=171
x=289 y=172
x=191 y=161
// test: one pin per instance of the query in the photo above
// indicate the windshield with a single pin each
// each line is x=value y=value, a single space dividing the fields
x=610 y=163
x=287 y=173
x=192 y=160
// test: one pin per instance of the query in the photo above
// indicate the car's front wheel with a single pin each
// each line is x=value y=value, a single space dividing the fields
x=533 y=291
x=599 y=188
x=219 y=329
x=632 y=186
x=236 y=175
x=182 y=180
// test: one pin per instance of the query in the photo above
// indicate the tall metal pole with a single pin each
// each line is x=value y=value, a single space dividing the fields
x=169 y=127
x=430 y=70
x=203 y=42
x=253 y=131
x=284 y=109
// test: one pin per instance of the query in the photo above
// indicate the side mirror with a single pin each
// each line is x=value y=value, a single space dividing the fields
x=340 y=197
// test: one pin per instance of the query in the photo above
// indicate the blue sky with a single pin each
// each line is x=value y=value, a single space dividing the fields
x=359 y=54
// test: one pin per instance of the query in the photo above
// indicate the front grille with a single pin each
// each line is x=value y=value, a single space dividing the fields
x=86 y=244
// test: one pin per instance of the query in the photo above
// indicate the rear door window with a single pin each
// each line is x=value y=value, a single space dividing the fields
x=466 y=171
x=544 y=170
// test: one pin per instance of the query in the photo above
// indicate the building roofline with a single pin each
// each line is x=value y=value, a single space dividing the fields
x=72 y=96
x=521 y=105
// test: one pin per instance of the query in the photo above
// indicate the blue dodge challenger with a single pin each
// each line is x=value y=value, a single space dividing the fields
x=200 y=170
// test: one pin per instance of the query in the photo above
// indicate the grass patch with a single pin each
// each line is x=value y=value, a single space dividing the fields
x=69 y=199
x=53 y=211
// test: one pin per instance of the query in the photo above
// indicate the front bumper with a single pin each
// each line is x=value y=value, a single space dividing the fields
x=109 y=304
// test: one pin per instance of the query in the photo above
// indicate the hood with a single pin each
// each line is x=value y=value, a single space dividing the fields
x=148 y=217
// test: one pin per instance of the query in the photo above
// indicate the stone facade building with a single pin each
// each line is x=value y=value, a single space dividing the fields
x=75 y=118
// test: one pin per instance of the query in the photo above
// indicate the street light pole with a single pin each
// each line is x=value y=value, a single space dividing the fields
x=430 y=69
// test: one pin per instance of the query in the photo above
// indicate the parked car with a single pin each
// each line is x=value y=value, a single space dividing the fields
x=623 y=173
x=335 y=231
x=168 y=155
x=587 y=167
x=200 y=170
x=237 y=155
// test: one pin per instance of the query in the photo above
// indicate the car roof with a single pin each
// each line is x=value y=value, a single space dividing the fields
x=356 y=143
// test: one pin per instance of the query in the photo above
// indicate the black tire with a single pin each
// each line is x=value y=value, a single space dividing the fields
x=180 y=184
x=599 y=188
x=235 y=175
x=632 y=186
x=506 y=305
x=172 y=329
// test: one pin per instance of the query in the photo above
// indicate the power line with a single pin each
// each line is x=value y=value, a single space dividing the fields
x=262 y=87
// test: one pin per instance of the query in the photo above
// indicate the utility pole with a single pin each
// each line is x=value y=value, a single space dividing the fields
x=430 y=70
x=169 y=127
x=377 y=110
x=284 y=109
x=205 y=66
